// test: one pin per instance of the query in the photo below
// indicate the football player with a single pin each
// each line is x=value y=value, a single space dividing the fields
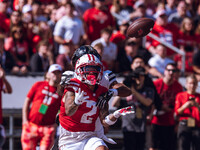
x=79 y=112
x=108 y=78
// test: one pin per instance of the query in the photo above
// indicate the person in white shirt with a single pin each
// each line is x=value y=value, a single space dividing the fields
x=109 y=49
x=159 y=60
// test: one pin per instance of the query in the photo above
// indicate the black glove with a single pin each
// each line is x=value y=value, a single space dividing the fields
x=104 y=98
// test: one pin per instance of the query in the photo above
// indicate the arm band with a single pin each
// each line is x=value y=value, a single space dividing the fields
x=108 y=121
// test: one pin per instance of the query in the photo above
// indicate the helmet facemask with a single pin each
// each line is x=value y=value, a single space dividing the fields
x=89 y=71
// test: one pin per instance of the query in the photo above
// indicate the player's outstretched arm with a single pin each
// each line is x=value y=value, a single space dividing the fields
x=112 y=118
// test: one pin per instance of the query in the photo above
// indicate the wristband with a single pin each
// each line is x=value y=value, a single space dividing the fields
x=115 y=92
x=116 y=114
x=108 y=121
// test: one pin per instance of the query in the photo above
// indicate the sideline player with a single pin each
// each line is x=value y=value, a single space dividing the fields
x=78 y=112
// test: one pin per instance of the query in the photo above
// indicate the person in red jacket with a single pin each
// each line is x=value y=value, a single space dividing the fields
x=187 y=108
x=163 y=120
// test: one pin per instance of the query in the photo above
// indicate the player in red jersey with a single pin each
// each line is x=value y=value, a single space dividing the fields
x=39 y=111
x=78 y=112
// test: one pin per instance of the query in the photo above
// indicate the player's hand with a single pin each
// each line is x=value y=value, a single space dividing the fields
x=66 y=76
x=104 y=98
x=79 y=97
x=124 y=111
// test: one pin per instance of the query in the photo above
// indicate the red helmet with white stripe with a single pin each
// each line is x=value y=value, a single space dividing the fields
x=89 y=69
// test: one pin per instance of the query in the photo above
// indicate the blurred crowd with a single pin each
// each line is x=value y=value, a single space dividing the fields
x=37 y=33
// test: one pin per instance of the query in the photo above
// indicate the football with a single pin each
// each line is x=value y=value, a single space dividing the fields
x=140 y=27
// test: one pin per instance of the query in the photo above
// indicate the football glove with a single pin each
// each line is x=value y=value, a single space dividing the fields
x=104 y=98
x=79 y=97
x=124 y=111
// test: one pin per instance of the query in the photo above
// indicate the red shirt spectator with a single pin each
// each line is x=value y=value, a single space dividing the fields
x=117 y=37
x=188 y=62
x=193 y=111
x=165 y=31
x=167 y=94
x=97 y=19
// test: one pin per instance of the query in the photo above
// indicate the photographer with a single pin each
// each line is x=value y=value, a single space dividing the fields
x=187 y=108
x=134 y=126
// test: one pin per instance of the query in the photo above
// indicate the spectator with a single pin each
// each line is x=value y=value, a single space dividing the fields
x=4 y=26
x=140 y=10
x=42 y=32
x=187 y=108
x=99 y=48
x=181 y=13
x=121 y=11
x=165 y=31
x=15 y=19
x=97 y=18
x=119 y=36
x=134 y=126
x=187 y=43
x=41 y=60
x=64 y=60
x=196 y=64
x=39 y=111
x=17 y=45
x=38 y=12
x=186 y=37
x=5 y=88
x=170 y=7
x=7 y=62
x=159 y=61
x=81 y=6
x=126 y=59
x=163 y=122
x=69 y=29
x=109 y=49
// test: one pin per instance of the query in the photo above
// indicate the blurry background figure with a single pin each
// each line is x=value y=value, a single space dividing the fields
x=39 y=111
x=196 y=64
x=7 y=61
x=42 y=59
x=69 y=29
x=17 y=45
x=64 y=60
x=81 y=6
x=163 y=122
x=5 y=87
x=4 y=26
x=96 y=19
x=164 y=30
x=187 y=109
x=15 y=19
x=181 y=13
x=187 y=43
x=121 y=11
x=99 y=48
x=159 y=61
x=134 y=125
x=109 y=49
x=170 y=7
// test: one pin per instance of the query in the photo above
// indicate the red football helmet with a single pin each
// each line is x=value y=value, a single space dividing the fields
x=89 y=69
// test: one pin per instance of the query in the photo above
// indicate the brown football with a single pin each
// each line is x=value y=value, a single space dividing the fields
x=140 y=27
